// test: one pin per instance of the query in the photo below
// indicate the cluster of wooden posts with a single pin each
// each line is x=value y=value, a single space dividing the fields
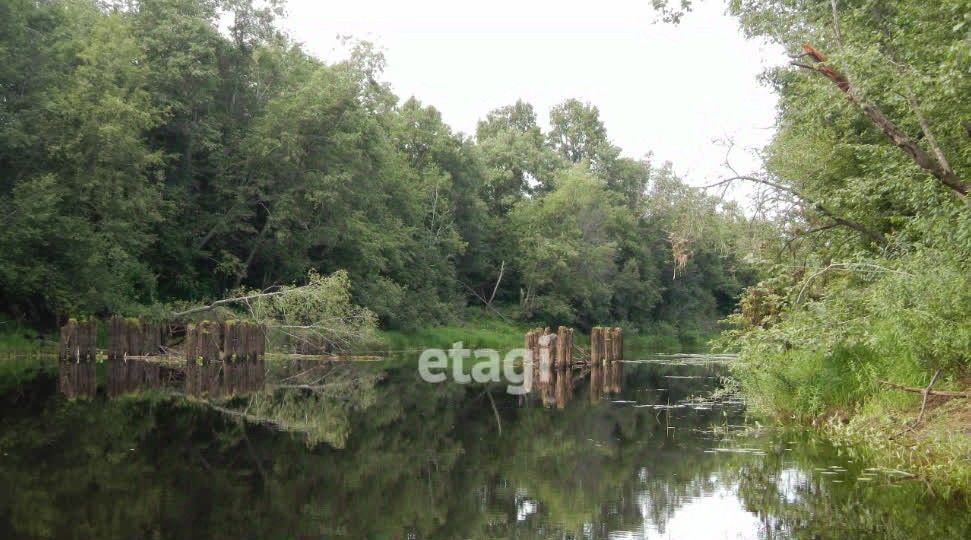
x=79 y=341
x=221 y=358
x=606 y=344
x=133 y=337
x=211 y=341
x=556 y=349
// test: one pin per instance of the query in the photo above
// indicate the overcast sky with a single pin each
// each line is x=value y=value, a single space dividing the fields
x=670 y=90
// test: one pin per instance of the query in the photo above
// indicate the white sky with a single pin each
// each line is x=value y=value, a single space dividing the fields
x=670 y=90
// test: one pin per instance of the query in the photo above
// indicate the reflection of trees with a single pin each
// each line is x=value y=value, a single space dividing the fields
x=412 y=458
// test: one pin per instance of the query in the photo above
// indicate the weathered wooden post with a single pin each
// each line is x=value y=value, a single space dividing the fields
x=534 y=344
x=564 y=346
x=202 y=341
x=619 y=344
x=596 y=348
x=547 y=349
x=212 y=352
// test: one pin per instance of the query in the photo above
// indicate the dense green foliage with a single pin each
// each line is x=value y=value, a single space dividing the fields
x=871 y=161
x=162 y=150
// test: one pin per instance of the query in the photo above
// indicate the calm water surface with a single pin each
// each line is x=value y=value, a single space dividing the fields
x=304 y=449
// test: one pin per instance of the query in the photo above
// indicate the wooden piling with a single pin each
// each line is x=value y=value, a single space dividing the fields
x=606 y=344
x=547 y=348
x=133 y=337
x=210 y=341
x=564 y=347
x=79 y=341
x=596 y=347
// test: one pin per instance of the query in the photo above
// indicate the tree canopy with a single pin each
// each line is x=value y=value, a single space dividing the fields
x=177 y=150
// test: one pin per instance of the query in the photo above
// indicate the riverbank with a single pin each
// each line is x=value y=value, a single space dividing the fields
x=937 y=450
x=475 y=328
x=844 y=394
x=483 y=331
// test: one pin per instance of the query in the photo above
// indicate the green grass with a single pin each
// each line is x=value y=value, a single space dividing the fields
x=476 y=331
x=16 y=338
x=838 y=392
x=483 y=329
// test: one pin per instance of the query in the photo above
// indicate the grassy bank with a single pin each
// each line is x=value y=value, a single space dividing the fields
x=938 y=450
x=840 y=393
x=16 y=338
x=480 y=329
x=474 y=332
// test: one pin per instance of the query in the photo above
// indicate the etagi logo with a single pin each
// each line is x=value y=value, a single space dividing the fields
x=489 y=367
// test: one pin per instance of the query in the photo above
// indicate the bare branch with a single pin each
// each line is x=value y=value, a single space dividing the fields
x=873 y=235
x=228 y=301
x=502 y=268
x=484 y=301
x=916 y=390
x=926 y=128
x=836 y=24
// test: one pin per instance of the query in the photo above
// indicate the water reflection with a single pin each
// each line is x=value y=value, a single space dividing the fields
x=217 y=380
x=77 y=379
x=337 y=449
x=555 y=386
x=128 y=376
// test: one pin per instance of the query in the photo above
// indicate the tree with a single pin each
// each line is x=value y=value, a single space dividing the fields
x=578 y=134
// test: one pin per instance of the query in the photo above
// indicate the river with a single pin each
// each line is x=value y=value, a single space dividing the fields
x=302 y=449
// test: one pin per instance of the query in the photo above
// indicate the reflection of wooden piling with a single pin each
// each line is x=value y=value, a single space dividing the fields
x=216 y=380
x=124 y=376
x=79 y=341
x=596 y=383
x=77 y=379
x=614 y=378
